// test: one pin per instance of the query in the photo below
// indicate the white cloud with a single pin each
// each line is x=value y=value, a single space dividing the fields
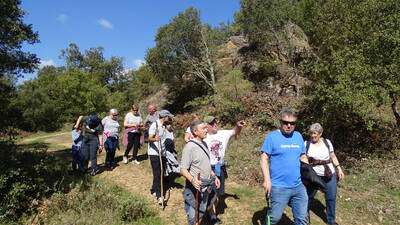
x=105 y=23
x=44 y=63
x=62 y=18
x=137 y=63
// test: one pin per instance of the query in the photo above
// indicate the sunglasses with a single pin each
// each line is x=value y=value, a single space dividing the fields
x=284 y=122
x=115 y=115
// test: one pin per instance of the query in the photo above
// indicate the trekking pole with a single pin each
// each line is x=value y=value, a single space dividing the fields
x=161 y=176
x=198 y=203
x=267 y=216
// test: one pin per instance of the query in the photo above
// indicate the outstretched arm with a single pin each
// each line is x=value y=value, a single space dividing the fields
x=238 y=128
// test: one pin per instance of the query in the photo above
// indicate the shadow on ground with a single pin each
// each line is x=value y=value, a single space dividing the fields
x=30 y=173
x=259 y=218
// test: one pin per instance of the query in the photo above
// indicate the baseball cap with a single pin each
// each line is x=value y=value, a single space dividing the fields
x=165 y=113
x=209 y=119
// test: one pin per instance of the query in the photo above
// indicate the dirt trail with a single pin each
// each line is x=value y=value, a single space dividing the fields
x=246 y=208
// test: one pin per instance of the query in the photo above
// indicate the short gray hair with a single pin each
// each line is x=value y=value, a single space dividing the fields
x=316 y=127
x=194 y=124
x=287 y=111
x=113 y=111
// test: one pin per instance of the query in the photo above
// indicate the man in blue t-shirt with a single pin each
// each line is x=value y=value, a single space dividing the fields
x=280 y=163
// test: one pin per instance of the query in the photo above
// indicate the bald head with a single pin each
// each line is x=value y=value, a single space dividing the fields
x=151 y=109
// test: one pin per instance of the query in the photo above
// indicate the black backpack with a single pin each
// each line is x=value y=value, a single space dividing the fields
x=93 y=121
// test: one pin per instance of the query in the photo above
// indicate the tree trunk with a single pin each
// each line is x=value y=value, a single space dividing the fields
x=394 y=108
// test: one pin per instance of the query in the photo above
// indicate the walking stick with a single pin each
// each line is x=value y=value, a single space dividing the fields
x=161 y=176
x=267 y=215
x=198 y=203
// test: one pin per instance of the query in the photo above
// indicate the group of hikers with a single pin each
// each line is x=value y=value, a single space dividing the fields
x=284 y=153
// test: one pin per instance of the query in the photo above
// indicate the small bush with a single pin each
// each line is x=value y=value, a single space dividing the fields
x=99 y=203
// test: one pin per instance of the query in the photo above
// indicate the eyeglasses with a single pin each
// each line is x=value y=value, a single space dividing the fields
x=284 y=122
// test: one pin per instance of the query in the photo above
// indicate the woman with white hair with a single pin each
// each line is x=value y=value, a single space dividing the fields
x=111 y=137
x=325 y=163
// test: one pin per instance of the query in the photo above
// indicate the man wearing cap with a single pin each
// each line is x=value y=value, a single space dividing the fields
x=280 y=163
x=196 y=162
x=217 y=141
x=158 y=133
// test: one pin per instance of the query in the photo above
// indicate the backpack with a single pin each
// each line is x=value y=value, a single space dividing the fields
x=325 y=142
x=93 y=121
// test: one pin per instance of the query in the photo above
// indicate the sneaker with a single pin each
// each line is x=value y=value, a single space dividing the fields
x=154 y=195
x=95 y=171
x=160 y=201
x=125 y=159
x=135 y=162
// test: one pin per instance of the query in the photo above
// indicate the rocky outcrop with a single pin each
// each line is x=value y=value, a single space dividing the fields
x=277 y=66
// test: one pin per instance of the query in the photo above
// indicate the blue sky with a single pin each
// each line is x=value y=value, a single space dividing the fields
x=124 y=28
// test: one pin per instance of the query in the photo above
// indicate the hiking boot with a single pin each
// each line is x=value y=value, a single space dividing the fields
x=125 y=159
x=135 y=162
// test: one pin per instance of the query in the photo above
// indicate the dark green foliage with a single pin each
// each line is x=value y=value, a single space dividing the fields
x=13 y=60
x=54 y=98
x=13 y=33
x=355 y=66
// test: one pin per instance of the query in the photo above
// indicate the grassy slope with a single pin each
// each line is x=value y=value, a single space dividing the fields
x=369 y=195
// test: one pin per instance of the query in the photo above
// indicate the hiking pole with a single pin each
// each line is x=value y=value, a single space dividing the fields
x=161 y=176
x=198 y=203
x=267 y=216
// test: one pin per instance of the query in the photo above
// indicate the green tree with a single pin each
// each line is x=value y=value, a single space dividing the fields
x=183 y=57
x=356 y=69
x=109 y=72
x=13 y=60
x=56 y=97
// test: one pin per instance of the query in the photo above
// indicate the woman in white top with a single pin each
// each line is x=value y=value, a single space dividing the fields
x=325 y=163
x=133 y=124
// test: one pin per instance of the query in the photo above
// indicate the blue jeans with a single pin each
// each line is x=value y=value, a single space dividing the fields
x=77 y=158
x=296 y=196
x=330 y=198
x=110 y=145
x=90 y=145
x=189 y=195
x=221 y=177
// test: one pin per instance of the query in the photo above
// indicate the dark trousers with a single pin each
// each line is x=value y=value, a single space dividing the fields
x=330 y=197
x=110 y=145
x=90 y=145
x=133 y=141
x=77 y=158
x=156 y=167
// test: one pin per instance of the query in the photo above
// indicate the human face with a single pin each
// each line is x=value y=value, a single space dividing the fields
x=212 y=128
x=135 y=111
x=288 y=123
x=114 y=116
x=315 y=136
x=201 y=131
x=151 y=109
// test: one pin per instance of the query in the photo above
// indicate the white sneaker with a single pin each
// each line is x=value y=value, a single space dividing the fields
x=160 y=200
x=135 y=162
x=125 y=159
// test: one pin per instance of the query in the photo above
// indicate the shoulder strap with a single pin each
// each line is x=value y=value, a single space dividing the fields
x=208 y=156
x=307 y=146
x=327 y=144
